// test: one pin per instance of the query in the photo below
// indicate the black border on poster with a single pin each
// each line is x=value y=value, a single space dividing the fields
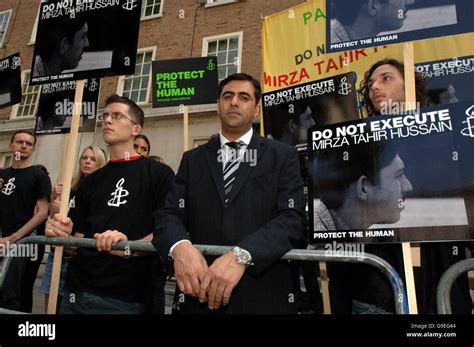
x=465 y=24
x=113 y=30
x=461 y=150
x=10 y=79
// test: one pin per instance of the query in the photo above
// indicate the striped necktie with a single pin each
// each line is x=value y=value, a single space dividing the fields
x=231 y=167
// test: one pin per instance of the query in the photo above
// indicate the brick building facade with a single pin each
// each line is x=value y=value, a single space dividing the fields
x=169 y=29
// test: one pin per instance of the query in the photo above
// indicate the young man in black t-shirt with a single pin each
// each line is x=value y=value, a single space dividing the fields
x=23 y=208
x=115 y=203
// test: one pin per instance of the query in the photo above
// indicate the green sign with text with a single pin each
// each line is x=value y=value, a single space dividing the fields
x=185 y=82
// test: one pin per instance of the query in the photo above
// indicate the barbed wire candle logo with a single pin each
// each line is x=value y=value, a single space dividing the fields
x=118 y=194
x=9 y=187
x=469 y=129
x=344 y=87
x=129 y=5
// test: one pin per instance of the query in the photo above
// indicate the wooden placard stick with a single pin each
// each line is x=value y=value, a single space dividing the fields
x=66 y=177
x=410 y=259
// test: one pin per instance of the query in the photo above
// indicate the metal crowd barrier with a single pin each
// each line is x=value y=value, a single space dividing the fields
x=443 y=292
x=401 y=303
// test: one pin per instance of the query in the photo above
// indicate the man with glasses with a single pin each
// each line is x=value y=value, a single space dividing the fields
x=23 y=208
x=115 y=203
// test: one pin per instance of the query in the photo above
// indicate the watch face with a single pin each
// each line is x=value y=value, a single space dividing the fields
x=242 y=256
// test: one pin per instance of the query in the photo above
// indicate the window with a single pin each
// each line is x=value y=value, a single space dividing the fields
x=228 y=50
x=6 y=160
x=136 y=87
x=210 y=3
x=4 y=19
x=35 y=26
x=29 y=101
x=151 y=8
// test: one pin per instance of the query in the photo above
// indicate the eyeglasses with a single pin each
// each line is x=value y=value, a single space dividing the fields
x=115 y=116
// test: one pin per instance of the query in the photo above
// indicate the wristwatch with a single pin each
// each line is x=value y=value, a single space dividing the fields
x=242 y=256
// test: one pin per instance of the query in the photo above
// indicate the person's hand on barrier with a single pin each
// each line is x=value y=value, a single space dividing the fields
x=58 y=226
x=106 y=240
x=221 y=278
x=1 y=183
x=190 y=268
x=5 y=240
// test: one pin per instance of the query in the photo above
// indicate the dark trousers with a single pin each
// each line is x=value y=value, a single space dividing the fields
x=10 y=291
x=29 y=277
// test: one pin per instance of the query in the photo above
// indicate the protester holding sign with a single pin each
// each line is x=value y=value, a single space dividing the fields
x=360 y=288
x=115 y=203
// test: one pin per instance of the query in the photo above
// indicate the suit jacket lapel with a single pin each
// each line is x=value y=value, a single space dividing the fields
x=245 y=168
x=215 y=166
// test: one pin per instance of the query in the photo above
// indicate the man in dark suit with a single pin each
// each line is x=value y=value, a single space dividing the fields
x=241 y=190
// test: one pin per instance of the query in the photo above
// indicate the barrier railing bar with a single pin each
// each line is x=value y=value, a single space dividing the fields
x=443 y=291
x=401 y=304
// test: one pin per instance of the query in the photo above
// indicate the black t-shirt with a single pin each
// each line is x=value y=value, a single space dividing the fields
x=120 y=196
x=21 y=189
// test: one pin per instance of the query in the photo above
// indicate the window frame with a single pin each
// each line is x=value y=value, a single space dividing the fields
x=15 y=109
x=121 y=81
x=212 y=3
x=208 y=39
x=158 y=15
x=4 y=157
x=2 y=41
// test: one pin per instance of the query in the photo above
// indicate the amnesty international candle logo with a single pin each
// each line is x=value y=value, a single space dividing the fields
x=184 y=82
x=118 y=194
x=211 y=66
x=9 y=188
x=130 y=5
x=93 y=85
x=344 y=87
x=16 y=62
x=469 y=129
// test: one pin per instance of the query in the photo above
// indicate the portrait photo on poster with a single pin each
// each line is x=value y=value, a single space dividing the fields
x=10 y=80
x=56 y=105
x=393 y=178
x=79 y=40
x=289 y=113
x=449 y=80
x=367 y=23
